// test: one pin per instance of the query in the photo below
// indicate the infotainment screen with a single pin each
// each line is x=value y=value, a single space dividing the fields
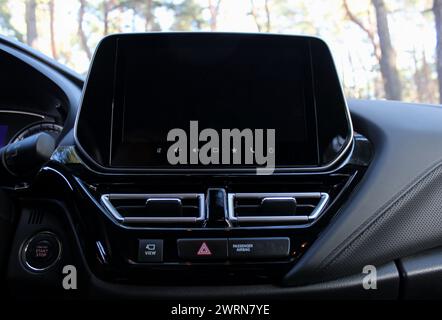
x=168 y=88
x=183 y=101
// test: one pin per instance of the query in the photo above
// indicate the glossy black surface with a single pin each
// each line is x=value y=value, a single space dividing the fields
x=74 y=184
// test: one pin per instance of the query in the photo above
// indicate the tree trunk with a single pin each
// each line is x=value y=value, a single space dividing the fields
x=254 y=13
x=81 y=34
x=52 y=28
x=105 y=18
x=437 y=10
x=148 y=24
x=31 y=22
x=214 y=10
x=367 y=29
x=268 y=22
x=390 y=74
x=418 y=78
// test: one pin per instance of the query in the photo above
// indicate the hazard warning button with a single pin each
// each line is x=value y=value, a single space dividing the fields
x=202 y=249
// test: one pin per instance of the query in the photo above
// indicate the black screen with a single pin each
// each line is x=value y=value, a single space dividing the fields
x=221 y=82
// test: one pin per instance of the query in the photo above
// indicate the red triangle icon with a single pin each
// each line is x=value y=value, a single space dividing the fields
x=204 y=250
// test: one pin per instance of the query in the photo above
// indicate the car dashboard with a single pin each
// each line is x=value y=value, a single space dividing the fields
x=357 y=189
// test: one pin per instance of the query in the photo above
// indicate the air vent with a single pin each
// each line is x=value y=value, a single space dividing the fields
x=155 y=208
x=276 y=207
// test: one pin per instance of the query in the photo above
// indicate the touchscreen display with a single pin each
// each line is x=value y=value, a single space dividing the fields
x=167 y=90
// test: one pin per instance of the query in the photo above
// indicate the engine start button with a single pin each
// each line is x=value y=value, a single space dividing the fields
x=41 y=252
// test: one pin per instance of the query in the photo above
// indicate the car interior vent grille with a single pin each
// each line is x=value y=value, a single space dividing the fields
x=155 y=208
x=276 y=207
x=35 y=217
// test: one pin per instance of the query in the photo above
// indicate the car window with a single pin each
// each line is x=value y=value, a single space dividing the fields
x=384 y=49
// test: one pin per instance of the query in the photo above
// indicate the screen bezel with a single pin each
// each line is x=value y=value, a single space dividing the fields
x=93 y=122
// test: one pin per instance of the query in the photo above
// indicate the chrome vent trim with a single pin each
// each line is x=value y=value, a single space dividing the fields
x=322 y=197
x=106 y=201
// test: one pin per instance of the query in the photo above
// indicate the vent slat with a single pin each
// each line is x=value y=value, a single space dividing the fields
x=273 y=208
x=155 y=208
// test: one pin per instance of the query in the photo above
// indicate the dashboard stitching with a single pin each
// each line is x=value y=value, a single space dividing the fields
x=367 y=226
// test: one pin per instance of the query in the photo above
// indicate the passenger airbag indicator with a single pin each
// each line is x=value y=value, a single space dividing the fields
x=258 y=248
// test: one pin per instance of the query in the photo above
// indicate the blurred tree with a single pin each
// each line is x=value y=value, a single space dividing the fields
x=425 y=86
x=149 y=17
x=107 y=7
x=262 y=26
x=82 y=35
x=254 y=13
x=368 y=73
x=214 y=6
x=267 y=10
x=31 y=22
x=51 y=5
x=5 y=22
x=144 y=9
x=187 y=15
x=382 y=47
x=368 y=29
x=390 y=74
x=437 y=10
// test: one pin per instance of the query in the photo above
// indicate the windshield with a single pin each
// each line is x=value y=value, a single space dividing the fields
x=384 y=49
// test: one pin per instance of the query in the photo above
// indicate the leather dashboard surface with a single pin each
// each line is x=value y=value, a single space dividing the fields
x=396 y=210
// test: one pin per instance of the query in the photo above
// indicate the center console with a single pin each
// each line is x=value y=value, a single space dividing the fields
x=207 y=157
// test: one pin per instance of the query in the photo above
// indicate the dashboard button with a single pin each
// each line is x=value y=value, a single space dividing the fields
x=42 y=251
x=150 y=250
x=258 y=248
x=201 y=249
